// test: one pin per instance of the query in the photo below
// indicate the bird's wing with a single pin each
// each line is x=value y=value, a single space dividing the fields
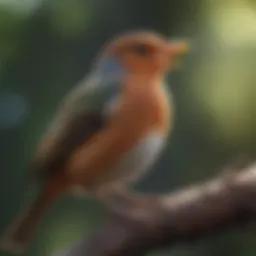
x=90 y=164
x=80 y=115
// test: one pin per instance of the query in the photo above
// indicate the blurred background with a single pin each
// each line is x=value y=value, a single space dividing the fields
x=47 y=46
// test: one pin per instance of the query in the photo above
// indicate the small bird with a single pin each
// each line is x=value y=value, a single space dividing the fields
x=107 y=131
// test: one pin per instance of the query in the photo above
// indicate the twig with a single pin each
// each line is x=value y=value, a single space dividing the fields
x=148 y=222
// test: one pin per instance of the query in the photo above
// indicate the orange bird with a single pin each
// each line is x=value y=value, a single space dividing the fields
x=107 y=131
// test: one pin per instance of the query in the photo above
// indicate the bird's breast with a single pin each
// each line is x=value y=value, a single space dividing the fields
x=157 y=107
x=148 y=148
x=133 y=164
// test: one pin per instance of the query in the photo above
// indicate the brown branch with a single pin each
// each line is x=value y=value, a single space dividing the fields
x=152 y=222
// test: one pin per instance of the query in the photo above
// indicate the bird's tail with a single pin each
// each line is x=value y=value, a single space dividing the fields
x=22 y=227
x=17 y=236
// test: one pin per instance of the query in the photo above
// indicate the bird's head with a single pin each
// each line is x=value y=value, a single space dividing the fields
x=141 y=52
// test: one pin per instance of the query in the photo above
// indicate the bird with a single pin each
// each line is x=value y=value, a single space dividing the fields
x=107 y=131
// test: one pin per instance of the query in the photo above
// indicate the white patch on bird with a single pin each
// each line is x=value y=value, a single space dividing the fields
x=141 y=157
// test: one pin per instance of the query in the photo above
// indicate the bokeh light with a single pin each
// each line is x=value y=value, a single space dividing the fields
x=14 y=109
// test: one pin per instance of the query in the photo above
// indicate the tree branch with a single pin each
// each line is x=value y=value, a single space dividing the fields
x=147 y=222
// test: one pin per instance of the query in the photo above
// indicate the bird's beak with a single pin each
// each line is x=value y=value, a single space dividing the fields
x=176 y=49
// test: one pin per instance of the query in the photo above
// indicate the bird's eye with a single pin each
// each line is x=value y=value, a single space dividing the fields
x=141 y=49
